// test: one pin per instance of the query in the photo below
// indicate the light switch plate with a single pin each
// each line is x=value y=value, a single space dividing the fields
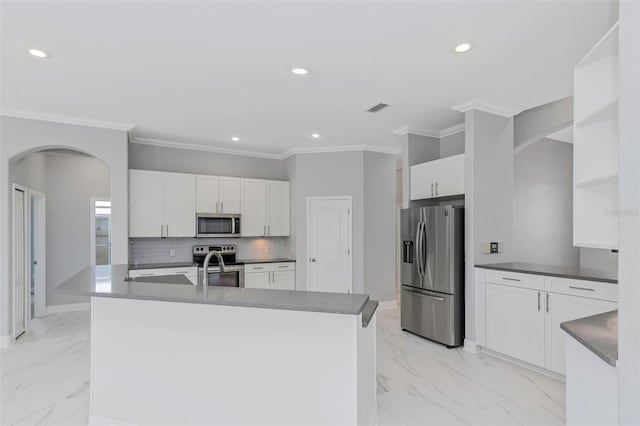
x=267 y=249
x=172 y=252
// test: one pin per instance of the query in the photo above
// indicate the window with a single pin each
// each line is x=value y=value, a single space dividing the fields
x=102 y=229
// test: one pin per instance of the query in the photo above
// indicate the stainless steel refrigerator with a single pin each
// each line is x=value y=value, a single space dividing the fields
x=432 y=273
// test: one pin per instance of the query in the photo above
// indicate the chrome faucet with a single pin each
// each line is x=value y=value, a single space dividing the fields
x=205 y=267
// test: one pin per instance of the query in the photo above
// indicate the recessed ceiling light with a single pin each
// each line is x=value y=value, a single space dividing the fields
x=300 y=71
x=315 y=135
x=462 y=47
x=38 y=53
x=235 y=138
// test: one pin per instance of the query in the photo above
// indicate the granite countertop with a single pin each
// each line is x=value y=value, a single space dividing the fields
x=598 y=333
x=555 y=271
x=109 y=281
x=163 y=279
x=162 y=265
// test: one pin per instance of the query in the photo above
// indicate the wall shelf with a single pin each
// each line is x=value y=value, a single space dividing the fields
x=610 y=178
x=608 y=112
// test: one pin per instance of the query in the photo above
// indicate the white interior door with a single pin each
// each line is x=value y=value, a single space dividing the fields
x=329 y=245
x=19 y=263
x=37 y=253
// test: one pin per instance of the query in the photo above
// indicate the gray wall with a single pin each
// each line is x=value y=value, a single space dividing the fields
x=370 y=179
x=416 y=150
x=543 y=204
x=151 y=157
x=380 y=225
x=488 y=197
x=30 y=171
x=327 y=174
x=536 y=123
x=452 y=145
x=71 y=182
x=598 y=259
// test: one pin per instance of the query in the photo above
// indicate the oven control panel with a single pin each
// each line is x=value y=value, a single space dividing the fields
x=226 y=249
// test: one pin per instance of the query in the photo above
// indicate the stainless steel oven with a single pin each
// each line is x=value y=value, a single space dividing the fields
x=232 y=277
x=212 y=225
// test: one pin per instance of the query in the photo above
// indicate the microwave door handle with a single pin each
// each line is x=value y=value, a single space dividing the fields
x=233 y=225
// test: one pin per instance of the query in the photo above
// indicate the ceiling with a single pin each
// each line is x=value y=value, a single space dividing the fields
x=199 y=73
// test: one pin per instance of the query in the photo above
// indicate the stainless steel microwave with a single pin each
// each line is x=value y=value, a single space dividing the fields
x=213 y=225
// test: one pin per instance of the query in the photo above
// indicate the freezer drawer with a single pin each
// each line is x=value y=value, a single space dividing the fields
x=436 y=316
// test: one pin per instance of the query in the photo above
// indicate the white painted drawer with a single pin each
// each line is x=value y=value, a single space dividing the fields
x=146 y=273
x=515 y=279
x=288 y=266
x=257 y=267
x=582 y=288
x=269 y=267
x=181 y=271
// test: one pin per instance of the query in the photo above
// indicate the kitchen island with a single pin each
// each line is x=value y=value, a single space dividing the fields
x=179 y=354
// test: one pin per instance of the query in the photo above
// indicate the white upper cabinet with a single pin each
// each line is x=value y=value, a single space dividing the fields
x=218 y=194
x=439 y=178
x=254 y=208
x=595 y=146
x=146 y=204
x=161 y=204
x=278 y=224
x=208 y=194
x=265 y=208
x=181 y=205
x=230 y=199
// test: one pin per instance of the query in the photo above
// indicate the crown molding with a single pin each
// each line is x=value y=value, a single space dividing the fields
x=477 y=105
x=282 y=156
x=458 y=128
x=197 y=147
x=347 y=148
x=64 y=119
x=405 y=130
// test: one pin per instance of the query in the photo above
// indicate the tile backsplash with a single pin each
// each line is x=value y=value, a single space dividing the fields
x=157 y=250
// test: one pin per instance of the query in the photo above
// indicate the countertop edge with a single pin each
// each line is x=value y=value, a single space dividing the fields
x=367 y=312
x=222 y=303
x=551 y=274
x=566 y=327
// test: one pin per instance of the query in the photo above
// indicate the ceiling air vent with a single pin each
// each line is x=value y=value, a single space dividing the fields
x=377 y=107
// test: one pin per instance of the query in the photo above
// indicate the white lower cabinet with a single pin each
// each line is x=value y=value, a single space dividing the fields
x=515 y=322
x=561 y=308
x=276 y=276
x=520 y=315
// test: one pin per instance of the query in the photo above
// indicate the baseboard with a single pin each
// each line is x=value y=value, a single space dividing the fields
x=470 y=346
x=71 y=307
x=5 y=341
x=387 y=304
x=101 y=421
x=523 y=364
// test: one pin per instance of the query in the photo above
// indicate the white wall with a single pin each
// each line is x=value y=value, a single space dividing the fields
x=22 y=136
x=151 y=157
x=71 y=182
x=30 y=171
x=543 y=204
x=629 y=272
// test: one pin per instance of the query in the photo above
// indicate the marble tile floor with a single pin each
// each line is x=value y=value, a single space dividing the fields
x=45 y=380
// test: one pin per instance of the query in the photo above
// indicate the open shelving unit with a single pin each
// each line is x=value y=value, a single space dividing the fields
x=595 y=149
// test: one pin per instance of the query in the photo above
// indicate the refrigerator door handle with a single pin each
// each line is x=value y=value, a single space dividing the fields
x=418 y=251
x=423 y=255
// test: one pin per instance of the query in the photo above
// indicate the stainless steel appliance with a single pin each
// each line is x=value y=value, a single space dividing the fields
x=432 y=273
x=212 y=225
x=234 y=271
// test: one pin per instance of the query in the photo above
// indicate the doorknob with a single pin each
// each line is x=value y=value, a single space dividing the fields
x=312 y=259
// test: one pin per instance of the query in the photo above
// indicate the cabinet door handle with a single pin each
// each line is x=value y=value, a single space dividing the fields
x=257 y=267
x=547 y=303
x=283 y=266
x=147 y=275
x=264 y=230
x=582 y=288
x=436 y=189
x=510 y=279
x=167 y=230
x=432 y=189
x=538 y=301
x=161 y=231
x=221 y=206
x=268 y=230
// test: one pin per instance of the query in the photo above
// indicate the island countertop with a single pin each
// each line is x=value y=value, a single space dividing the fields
x=598 y=333
x=109 y=281
x=555 y=271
